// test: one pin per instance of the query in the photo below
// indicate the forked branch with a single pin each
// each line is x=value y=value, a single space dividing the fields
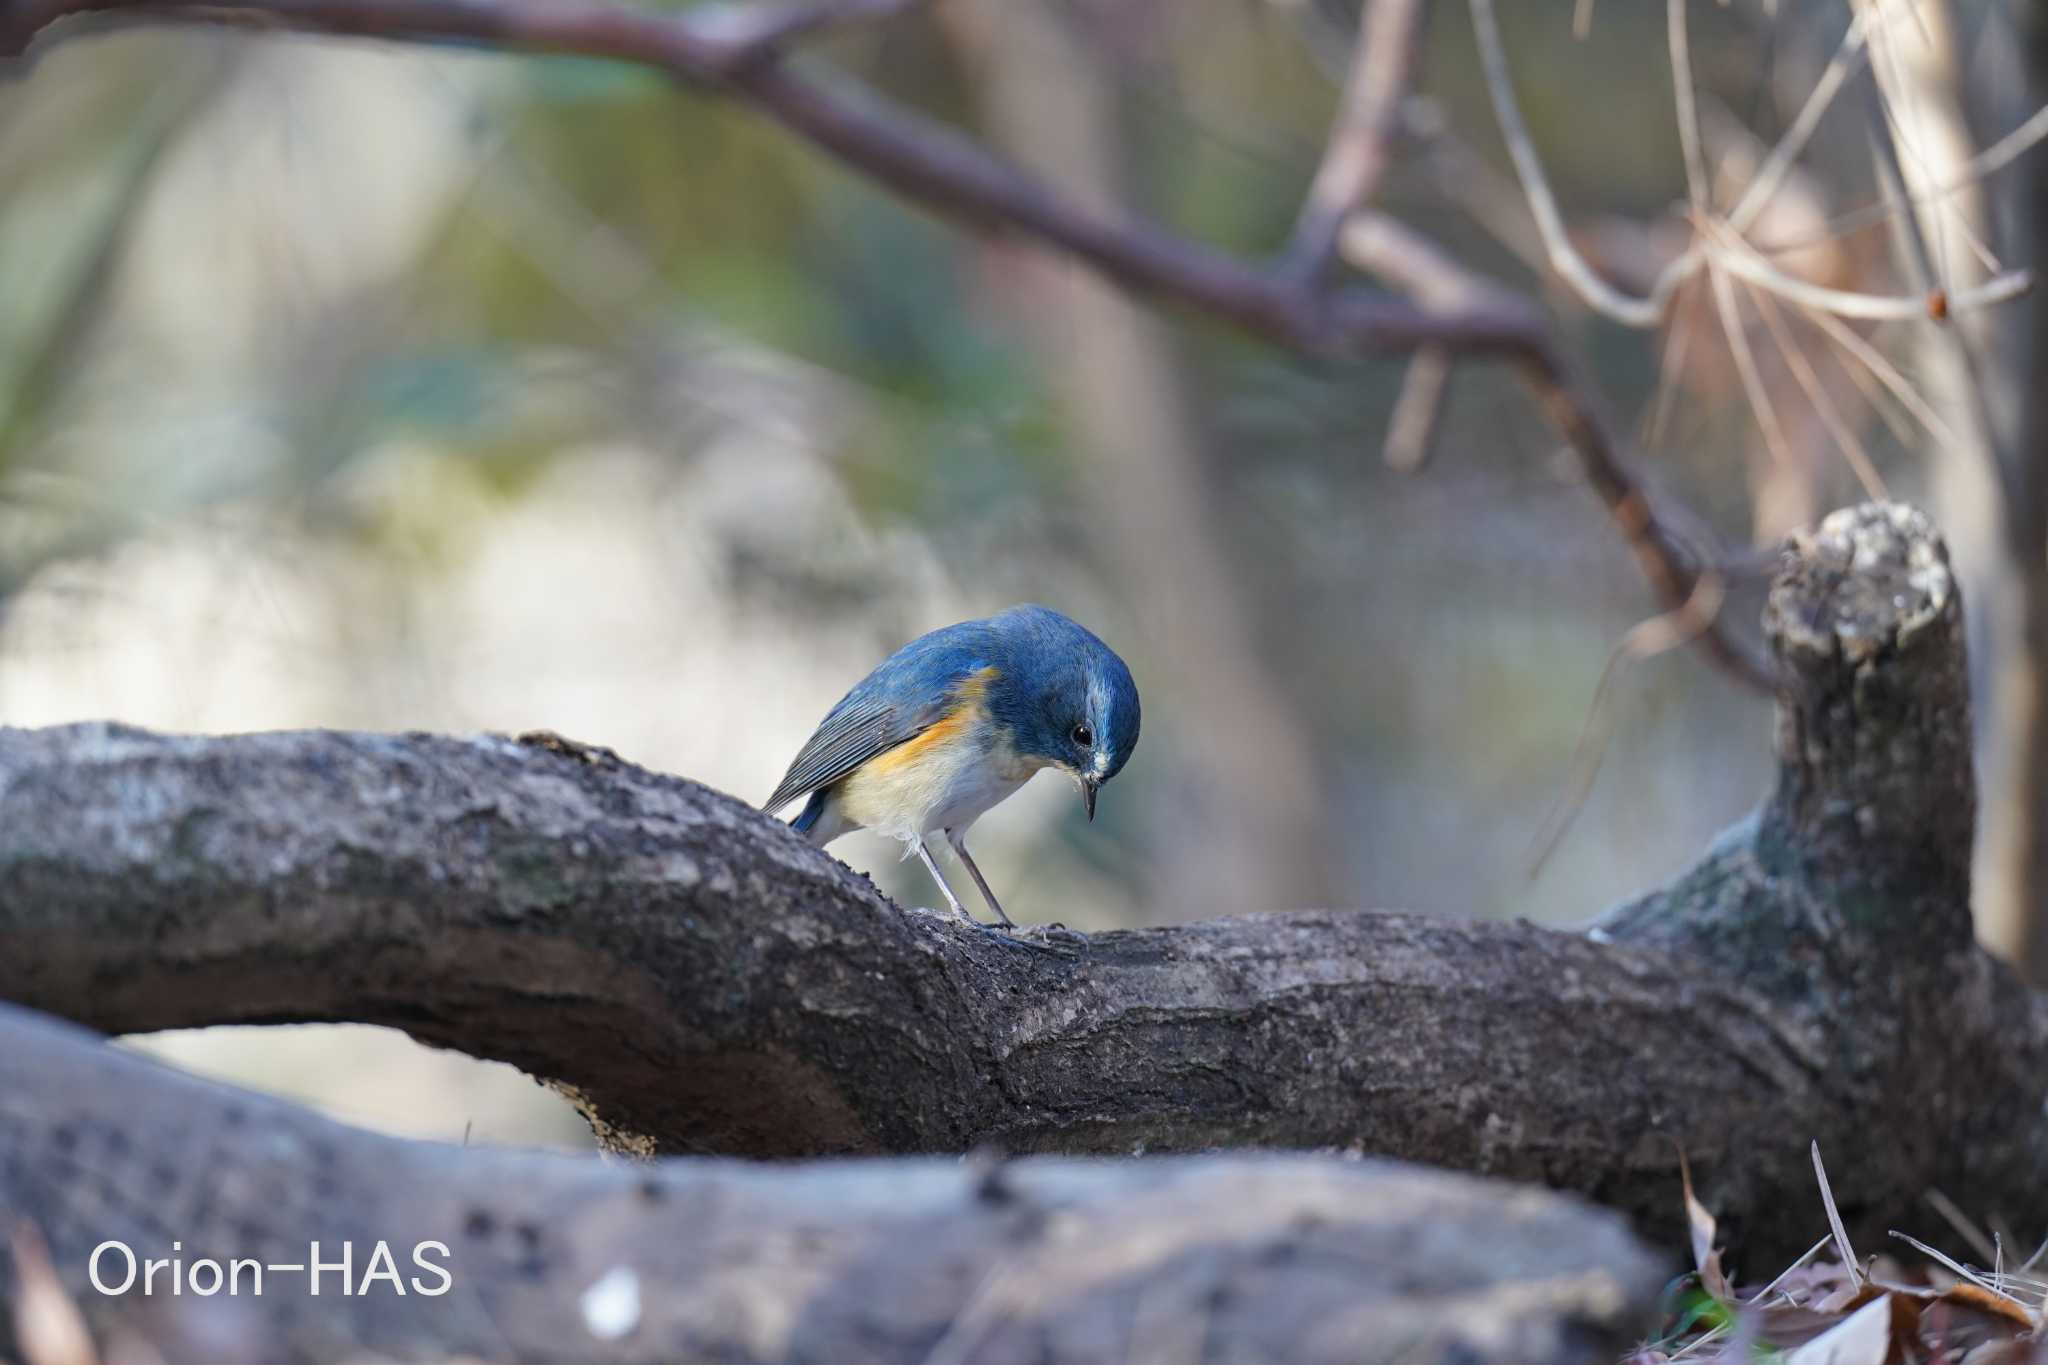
x=950 y=174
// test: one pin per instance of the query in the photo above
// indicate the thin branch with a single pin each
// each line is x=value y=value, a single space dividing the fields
x=1368 y=118
x=1418 y=410
x=1886 y=139
x=1741 y=260
x=1890 y=411
x=920 y=158
x=1999 y=154
x=1831 y=417
x=1380 y=246
x=1564 y=258
x=935 y=166
x=1650 y=311
x=1687 y=105
x=1886 y=373
x=1746 y=368
x=1675 y=343
x=1847 y=58
x=1489 y=197
x=1997 y=157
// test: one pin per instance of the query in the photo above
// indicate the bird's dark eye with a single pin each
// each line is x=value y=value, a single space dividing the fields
x=1083 y=736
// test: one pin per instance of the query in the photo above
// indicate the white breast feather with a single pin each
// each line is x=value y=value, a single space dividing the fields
x=949 y=790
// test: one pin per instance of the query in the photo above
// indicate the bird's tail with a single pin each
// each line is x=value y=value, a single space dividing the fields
x=807 y=819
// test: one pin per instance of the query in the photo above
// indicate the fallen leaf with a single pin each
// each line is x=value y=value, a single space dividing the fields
x=1863 y=1338
x=1706 y=1258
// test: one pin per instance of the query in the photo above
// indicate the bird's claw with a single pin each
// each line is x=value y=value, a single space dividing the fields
x=1054 y=938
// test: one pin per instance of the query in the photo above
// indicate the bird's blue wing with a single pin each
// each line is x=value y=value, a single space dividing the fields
x=910 y=692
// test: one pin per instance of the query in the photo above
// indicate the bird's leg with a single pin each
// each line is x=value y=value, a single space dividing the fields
x=952 y=901
x=959 y=842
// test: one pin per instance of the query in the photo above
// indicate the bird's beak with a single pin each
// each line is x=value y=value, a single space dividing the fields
x=1089 y=786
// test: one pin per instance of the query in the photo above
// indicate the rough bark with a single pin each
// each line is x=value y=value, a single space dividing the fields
x=1300 y=1259
x=703 y=981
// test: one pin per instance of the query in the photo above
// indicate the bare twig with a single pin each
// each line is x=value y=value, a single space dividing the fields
x=1674 y=346
x=1491 y=198
x=1368 y=117
x=1809 y=381
x=918 y=157
x=1753 y=386
x=1741 y=260
x=1729 y=252
x=1687 y=106
x=1380 y=246
x=1564 y=258
x=1417 y=410
x=935 y=166
x=1886 y=373
x=1772 y=173
x=1993 y=159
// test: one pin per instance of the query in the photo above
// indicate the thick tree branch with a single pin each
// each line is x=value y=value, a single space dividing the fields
x=563 y=1259
x=702 y=980
x=706 y=981
x=949 y=174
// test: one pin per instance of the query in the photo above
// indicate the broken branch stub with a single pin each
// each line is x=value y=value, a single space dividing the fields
x=1874 y=784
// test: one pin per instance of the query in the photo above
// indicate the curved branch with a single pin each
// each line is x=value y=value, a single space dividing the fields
x=949 y=174
x=701 y=979
x=1564 y=258
x=704 y=980
x=564 y=1259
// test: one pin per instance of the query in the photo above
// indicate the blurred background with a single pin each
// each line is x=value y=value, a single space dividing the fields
x=353 y=385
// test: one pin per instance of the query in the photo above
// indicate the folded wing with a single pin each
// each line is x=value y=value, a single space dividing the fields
x=908 y=694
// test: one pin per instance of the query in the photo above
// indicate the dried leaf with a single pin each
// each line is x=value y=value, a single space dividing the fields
x=1969 y=1280
x=1863 y=1338
x=1700 y=1223
x=1985 y=1301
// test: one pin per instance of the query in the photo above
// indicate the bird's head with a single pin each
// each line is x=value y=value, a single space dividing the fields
x=1070 y=701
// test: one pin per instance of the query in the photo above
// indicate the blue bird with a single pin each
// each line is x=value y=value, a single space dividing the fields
x=956 y=721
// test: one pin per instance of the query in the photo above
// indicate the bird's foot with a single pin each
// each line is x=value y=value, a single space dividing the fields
x=1055 y=938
